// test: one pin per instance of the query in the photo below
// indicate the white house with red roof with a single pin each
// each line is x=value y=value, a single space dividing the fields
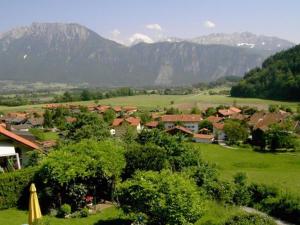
x=189 y=121
x=15 y=147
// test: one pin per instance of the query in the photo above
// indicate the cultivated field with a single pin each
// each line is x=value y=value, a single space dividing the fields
x=281 y=170
x=183 y=102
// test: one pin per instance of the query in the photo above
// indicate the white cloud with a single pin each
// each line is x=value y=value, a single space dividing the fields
x=209 y=24
x=154 y=26
x=138 y=37
x=115 y=33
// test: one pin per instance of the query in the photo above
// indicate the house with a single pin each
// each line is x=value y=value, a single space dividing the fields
x=118 y=125
x=218 y=132
x=189 y=121
x=13 y=145
x=214 y=119
x=203 y=138
x=151 y=124
x=229 y=112
x=180 y=130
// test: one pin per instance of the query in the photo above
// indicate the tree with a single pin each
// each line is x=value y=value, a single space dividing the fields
x=273 y=108
x=280 y=137
x=206 y=124
x=165 y=198
x=145 y=117
x=172 y=111
x=235 y=132
x=86 y=95
x=90 y=164
x=67 y=97
x=87 y=125
x=109 y=116
x=48 y=117
x=195 y=110
x=210 y=111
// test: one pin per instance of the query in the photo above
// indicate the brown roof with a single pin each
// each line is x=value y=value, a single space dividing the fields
x=152 y=124
x=117 y=122
x=102 y=108
x=238 y=116
x=18 y=138
x=183 y=129
x=234 y=109
x=268 y=119
x=182 y=118
x=129 y=108
x=70 y=119
x=133 y=121
x=214 y=119
x=218 y=126
x=203 y=136
x=117 y=108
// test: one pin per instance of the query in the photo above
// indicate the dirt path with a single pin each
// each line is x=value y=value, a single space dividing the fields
x=251 y=210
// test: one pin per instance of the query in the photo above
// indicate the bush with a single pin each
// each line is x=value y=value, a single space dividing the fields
x=14 y=188
x=84 y=212
x=165 y=198
x=250 y=219
x=64 y=210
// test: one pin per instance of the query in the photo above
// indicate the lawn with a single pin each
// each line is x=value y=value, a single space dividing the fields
x=281 y=170
x=113 y=216
x=44 y=135
x=110 y=216
x=202 y=100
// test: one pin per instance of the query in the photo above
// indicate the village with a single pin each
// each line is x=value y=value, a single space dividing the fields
x=208 y=126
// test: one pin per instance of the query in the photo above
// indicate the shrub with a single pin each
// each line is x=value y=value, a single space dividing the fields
x=260 y=192
x=14 y=188
x=165 y=198
x=64 y=210
x=247 y=219
x=84 y=212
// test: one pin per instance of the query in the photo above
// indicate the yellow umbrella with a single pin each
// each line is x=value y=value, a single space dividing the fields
x=34 y=206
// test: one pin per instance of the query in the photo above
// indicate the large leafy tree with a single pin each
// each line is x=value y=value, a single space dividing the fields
x=235 y=132
x=87 y=125
x=94 y=165
x=165 y=198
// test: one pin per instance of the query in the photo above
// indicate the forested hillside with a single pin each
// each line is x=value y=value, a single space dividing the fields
x=279 y=78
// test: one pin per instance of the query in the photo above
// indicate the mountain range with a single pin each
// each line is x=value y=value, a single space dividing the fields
x=58 y=52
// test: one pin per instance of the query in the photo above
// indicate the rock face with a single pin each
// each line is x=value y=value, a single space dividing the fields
x=73 y=53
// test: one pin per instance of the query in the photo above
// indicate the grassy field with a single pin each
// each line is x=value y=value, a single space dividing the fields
x=281 y=170
x=183 y=102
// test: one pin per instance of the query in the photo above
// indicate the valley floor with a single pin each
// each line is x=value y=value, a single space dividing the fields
x=281 y=169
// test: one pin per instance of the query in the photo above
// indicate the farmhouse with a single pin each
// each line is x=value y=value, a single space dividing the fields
x=203 y=138
x=118 y=125
x=218 y=131
x=188 y=121
x=229 y=112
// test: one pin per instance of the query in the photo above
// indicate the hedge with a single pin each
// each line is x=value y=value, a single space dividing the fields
x=14 y=187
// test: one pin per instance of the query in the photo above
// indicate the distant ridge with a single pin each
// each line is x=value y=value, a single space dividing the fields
x=62 y=52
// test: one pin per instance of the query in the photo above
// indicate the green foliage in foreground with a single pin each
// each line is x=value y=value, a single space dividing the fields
x=165 y=198
x=14 y=187
x=75 y=170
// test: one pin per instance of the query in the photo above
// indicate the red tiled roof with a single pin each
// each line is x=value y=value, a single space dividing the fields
x=152 y=124
x=18 y=138
x=102 y=108
x=117 y=122
x=133 y=121
x=181 y=117
x=183 y=129
x=218 y=126
x=117 y=108
x=214 y=119
x=129 y=108
x=70 y=119
x=203 y=136
x=234 y=109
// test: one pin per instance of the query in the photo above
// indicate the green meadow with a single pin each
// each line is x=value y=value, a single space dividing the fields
x=281 y=169
x=183 y=102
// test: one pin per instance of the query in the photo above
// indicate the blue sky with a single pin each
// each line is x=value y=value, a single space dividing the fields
x=125 y=19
